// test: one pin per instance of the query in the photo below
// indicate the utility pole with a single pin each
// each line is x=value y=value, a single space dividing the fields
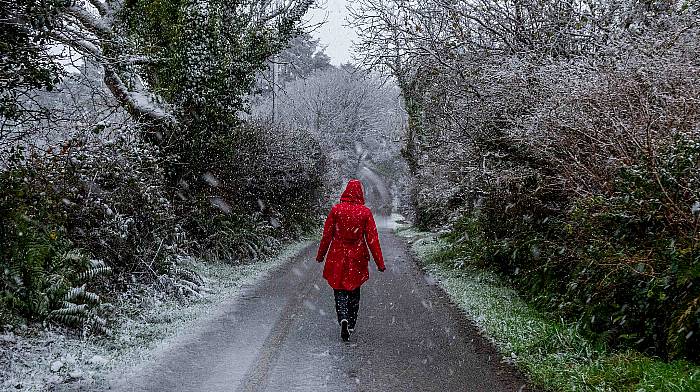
x=274 y=86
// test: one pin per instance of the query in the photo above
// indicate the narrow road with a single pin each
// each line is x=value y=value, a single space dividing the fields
x=281 y=335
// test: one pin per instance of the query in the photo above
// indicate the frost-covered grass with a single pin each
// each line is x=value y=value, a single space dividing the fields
x=146 y=320
x=551 y=352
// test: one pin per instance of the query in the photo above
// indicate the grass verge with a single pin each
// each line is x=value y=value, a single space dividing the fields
x=34 y=358
x=553 y=354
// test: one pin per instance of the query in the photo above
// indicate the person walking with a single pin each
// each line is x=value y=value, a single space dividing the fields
x=348 y=232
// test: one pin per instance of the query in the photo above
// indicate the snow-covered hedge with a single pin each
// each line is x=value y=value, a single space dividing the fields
x=101 y=197
x=170 y=170
x=559 y=140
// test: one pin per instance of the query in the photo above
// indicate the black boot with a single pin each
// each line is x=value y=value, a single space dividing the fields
x=344 y=333
x=353 y=308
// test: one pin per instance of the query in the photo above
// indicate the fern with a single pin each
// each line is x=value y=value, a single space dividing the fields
x=186 y=274
x=79 y=293
x=45 y=278
x=97 y=268
x=71 y=308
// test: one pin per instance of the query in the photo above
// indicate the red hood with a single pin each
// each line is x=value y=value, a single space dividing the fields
x=353 y=193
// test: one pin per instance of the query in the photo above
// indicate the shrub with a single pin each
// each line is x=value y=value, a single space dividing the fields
x=255 y=187
x=626 y=267
x=43 y=276
x=575 y=172
x=78 y=209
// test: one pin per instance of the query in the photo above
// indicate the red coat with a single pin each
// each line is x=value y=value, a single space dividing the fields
x=349 y=231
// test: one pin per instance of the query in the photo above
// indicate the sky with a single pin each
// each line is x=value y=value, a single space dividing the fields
x=333 y=33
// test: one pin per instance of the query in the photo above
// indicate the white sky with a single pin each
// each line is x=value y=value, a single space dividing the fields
x=333 y=34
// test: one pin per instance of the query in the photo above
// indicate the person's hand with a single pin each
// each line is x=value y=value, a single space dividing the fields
x=320 y=261
x=382 y=269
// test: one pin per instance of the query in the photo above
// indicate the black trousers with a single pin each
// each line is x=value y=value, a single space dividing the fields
x=347 y=303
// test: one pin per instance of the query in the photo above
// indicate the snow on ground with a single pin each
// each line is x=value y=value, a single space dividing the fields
x=37 y=359
x=395 y=221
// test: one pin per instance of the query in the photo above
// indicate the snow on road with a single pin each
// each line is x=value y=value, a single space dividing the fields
x=281 y=335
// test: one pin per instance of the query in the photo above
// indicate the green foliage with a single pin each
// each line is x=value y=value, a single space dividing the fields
x=269 y=187
x=205 y=184
x=109 y=199
x=643 y=240
x=239 y=238
x=211 y=52
x=469 y=244
x=228 y=177
x=576 y=169
x=43 y=277
x=555 y=354
x=625 y=267
x=80 y=194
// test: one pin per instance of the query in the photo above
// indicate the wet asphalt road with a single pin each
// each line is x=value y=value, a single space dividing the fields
x=282 y=335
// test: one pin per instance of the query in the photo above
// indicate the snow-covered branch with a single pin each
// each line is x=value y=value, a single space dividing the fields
x=93 y=35
x=93 y=23
x=101 y=7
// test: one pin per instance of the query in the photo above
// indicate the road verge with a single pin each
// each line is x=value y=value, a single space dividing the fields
x=551 y=352
x=37 y=359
